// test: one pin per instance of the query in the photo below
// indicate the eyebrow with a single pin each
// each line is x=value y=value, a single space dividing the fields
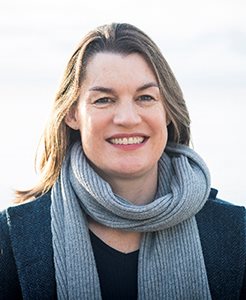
x=147 y=85
x=102 y=89
x=112 y=91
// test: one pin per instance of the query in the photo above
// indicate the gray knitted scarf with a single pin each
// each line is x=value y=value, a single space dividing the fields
x=170 y=263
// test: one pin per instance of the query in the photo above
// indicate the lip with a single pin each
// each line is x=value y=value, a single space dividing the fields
x=128 y=147
x=127 y=135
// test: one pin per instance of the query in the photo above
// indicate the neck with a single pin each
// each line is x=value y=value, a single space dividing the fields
x=139 y=190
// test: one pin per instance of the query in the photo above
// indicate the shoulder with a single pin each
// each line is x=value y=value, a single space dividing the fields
x=27 y=222
x=222 y=213
x=32 y=212
x=23 y=217
x=26 y=248
x=36 y=206
x=222 y=229
x=221 y=223
x=23 y=214
x=24 y=221
x=10 y=220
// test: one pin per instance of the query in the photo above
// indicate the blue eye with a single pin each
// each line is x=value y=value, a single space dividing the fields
x=146 y=98
x=104 y=100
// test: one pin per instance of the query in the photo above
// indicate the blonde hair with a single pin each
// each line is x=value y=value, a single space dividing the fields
x=116 y=38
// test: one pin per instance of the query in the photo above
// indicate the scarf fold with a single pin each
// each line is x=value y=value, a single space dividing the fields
x=171 y=263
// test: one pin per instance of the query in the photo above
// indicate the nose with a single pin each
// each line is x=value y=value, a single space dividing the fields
x=127 y=114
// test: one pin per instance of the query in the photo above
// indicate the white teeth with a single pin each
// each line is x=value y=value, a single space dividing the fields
x=127 y=141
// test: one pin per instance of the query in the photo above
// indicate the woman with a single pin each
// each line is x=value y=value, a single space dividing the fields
x=123 y=208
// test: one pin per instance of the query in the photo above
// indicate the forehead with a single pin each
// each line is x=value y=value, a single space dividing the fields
x=104 y=68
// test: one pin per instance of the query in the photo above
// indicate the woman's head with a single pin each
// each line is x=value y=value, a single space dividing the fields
x=122 y=39
x=121 y=117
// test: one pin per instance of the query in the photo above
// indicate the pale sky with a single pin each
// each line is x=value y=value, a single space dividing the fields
x=203 y=41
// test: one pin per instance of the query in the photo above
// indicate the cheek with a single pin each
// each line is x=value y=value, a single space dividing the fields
x=91 y=131
x=160 y=122
x=159 y=119
x=164 y=136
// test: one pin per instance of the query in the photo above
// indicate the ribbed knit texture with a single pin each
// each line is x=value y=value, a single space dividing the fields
x=171 y=264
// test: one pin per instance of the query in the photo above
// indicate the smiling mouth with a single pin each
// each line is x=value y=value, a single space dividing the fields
x=127 y=141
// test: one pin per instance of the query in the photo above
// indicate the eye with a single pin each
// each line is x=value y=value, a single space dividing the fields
x=103 y=101
x=146 y=98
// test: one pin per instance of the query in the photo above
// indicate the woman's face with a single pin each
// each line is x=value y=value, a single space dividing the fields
x=121 y=117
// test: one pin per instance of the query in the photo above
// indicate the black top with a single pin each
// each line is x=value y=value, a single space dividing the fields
x=117 y=271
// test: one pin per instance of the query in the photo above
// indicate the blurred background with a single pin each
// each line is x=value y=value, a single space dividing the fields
x=203 y=41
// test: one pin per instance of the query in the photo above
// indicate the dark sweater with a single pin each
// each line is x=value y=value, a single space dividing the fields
x=117 y=271
x=26 y=254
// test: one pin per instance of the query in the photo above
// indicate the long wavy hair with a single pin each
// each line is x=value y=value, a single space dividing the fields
x=114 y=38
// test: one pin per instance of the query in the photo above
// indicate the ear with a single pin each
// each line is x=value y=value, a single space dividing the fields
x=71 y=118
